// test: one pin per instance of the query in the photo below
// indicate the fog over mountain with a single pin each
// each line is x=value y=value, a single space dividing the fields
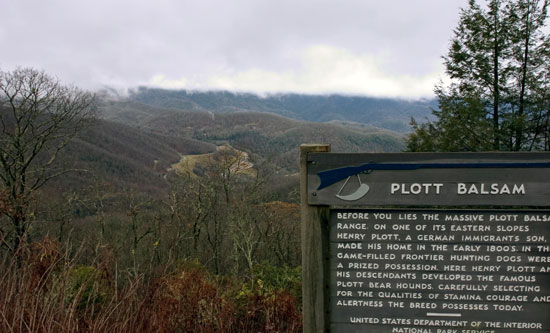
x=387 y=113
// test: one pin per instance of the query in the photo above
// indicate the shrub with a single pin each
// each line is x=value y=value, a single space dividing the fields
x=86 y=287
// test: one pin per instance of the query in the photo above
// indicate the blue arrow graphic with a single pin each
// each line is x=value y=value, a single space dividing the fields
x=333 y=176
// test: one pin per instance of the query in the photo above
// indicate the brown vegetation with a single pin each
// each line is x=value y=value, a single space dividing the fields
x=52 y=293
x=211 y=254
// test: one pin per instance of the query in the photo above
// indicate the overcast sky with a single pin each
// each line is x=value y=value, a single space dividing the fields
x=362 y=47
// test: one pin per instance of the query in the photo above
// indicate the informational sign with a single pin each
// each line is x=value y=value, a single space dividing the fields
x=431 y=271
x=412 y=179
x=425 y=242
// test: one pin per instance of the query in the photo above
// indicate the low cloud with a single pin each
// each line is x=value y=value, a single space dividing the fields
x=353 y=47
x=321 y=69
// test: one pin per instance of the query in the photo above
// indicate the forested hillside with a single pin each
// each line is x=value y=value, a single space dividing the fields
x=188 y=208
x=388 y=113
x=265 y=135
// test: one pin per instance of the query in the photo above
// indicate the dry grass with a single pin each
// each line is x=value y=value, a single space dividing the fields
x=43 y=289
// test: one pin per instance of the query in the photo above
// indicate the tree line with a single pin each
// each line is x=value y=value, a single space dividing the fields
x=498 y=97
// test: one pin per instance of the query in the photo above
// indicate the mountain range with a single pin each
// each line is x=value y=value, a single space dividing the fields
x=388 y=113
x=139 y=137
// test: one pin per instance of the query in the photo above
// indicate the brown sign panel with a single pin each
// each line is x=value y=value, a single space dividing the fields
x=431 y=271
x=429 y=179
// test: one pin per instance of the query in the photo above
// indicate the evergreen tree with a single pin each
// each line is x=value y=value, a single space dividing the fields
x=498 y=98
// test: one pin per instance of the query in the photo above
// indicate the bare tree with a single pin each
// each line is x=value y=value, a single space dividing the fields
x=38 y=117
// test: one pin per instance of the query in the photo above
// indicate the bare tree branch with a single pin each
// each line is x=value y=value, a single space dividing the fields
x=39 y=117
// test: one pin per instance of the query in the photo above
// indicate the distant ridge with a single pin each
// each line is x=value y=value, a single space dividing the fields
x=386 y=113
x=135 y=145
x=264 y=134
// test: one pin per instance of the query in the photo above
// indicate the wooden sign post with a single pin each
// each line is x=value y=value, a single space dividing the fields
x=315 y=273
x=425 y=242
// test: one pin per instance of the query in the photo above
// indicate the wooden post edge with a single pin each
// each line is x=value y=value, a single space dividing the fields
x=314 y=237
